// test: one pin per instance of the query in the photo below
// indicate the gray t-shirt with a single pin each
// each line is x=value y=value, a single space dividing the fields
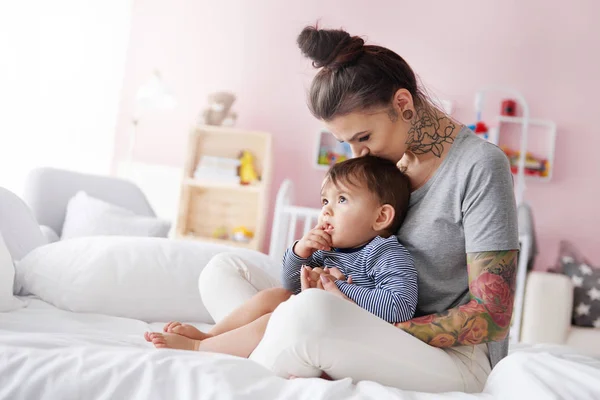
x=467 y=206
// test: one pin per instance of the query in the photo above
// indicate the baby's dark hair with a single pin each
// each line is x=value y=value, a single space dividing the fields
x=382 y=177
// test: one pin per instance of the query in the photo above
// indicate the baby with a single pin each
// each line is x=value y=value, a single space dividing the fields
x=364 y=201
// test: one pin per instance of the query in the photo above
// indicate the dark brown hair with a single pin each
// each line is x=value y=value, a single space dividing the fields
x=382 y=177
x=354 y=76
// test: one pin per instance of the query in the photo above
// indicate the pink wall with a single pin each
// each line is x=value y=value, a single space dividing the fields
x=550 y=53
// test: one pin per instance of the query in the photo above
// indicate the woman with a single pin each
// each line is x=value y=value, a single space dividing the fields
x=461 y=229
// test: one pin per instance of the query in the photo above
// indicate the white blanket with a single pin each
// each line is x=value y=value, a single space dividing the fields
x=46 y=353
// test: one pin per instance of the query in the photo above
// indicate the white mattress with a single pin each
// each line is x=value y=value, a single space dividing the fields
x=46 y=353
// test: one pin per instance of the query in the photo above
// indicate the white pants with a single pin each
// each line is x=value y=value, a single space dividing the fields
x=316 y=331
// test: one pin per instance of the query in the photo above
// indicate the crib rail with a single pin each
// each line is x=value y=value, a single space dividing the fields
x=290 y=222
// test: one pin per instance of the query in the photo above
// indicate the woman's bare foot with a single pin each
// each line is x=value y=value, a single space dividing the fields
x=171 y=341
x=186 y=330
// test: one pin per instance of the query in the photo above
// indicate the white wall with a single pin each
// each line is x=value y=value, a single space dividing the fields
x=61 y=71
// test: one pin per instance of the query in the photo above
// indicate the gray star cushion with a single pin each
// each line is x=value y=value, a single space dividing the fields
x=586 y=284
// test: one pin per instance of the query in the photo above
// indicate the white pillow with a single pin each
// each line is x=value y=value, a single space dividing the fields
x=7 y=277
x=49 y=234
x=89 y=216
x=152 y=279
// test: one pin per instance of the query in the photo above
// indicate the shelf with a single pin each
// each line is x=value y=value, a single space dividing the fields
x=233 y=133
x=225 y=242
x=539 y=131
x=199 y=183
x=208 y=204
x=322 y=167
x=532 y=121
x=536 y=178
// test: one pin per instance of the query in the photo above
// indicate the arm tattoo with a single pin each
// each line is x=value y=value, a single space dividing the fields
x=429 y=131
x=486 y=318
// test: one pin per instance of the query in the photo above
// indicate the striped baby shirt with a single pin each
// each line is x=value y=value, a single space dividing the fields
x=384 y=278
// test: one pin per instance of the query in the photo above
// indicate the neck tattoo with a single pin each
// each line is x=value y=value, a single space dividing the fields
x=429 y=131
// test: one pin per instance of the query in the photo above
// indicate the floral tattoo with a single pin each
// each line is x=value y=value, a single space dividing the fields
x=486 y=318
x=426 y=133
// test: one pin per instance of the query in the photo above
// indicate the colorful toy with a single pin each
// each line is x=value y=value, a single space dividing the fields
x=330 y=156
x=509 y=108
x=533 y=166
x=323 y=157
x=242 y=234
x=481 y=129
x=221 y=233
x=247 y=172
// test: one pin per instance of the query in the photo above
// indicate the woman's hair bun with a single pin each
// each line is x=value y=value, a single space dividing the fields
x=332 y=48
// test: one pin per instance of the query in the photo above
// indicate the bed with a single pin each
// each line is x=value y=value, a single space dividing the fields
x=64 y=343
x=48 y=353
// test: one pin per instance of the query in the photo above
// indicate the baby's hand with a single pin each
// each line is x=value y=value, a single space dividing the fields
x=315 y=239
x=310 y=278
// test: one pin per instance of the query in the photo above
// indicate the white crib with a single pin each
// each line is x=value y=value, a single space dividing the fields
x=288 y=219
x=291 y=222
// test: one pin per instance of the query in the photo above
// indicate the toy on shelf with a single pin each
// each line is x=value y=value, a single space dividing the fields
x=328 y=157
x=330 y=151
x=238 y=234
x=219 y=110
x=242 y=234
x=481 y=129
x=221 y=233
x=247 y=172
x=227 y=170
x=220 y=169
x=534 y=166
x=508 y=108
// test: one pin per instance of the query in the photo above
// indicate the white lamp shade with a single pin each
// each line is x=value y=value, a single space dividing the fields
x=154 y=95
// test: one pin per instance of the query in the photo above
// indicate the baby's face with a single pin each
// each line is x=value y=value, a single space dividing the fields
x=348 y=214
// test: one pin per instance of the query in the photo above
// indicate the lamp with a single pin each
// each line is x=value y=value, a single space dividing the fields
x=152 y=95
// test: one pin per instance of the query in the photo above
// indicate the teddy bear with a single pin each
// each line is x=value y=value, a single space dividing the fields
x=219 y=110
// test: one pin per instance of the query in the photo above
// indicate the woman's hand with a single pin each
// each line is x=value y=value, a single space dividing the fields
x=309 y=278
x=318 y=278
x=328 y=283
x=337 y=274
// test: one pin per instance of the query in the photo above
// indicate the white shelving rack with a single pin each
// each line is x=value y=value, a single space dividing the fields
x=525 y=240
x=549 y=130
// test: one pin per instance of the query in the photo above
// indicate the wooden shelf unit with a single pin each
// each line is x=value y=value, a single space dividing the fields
x=208 y=205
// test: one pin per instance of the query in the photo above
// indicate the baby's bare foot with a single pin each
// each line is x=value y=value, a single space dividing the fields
x=323 y=376
x=186 y=330
x=171 y=341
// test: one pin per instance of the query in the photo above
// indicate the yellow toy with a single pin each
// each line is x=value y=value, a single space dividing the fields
x=220 y=233
x=242 y=234
x=247 y=172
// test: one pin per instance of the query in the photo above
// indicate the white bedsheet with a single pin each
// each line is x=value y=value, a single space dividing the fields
x=46 y=353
